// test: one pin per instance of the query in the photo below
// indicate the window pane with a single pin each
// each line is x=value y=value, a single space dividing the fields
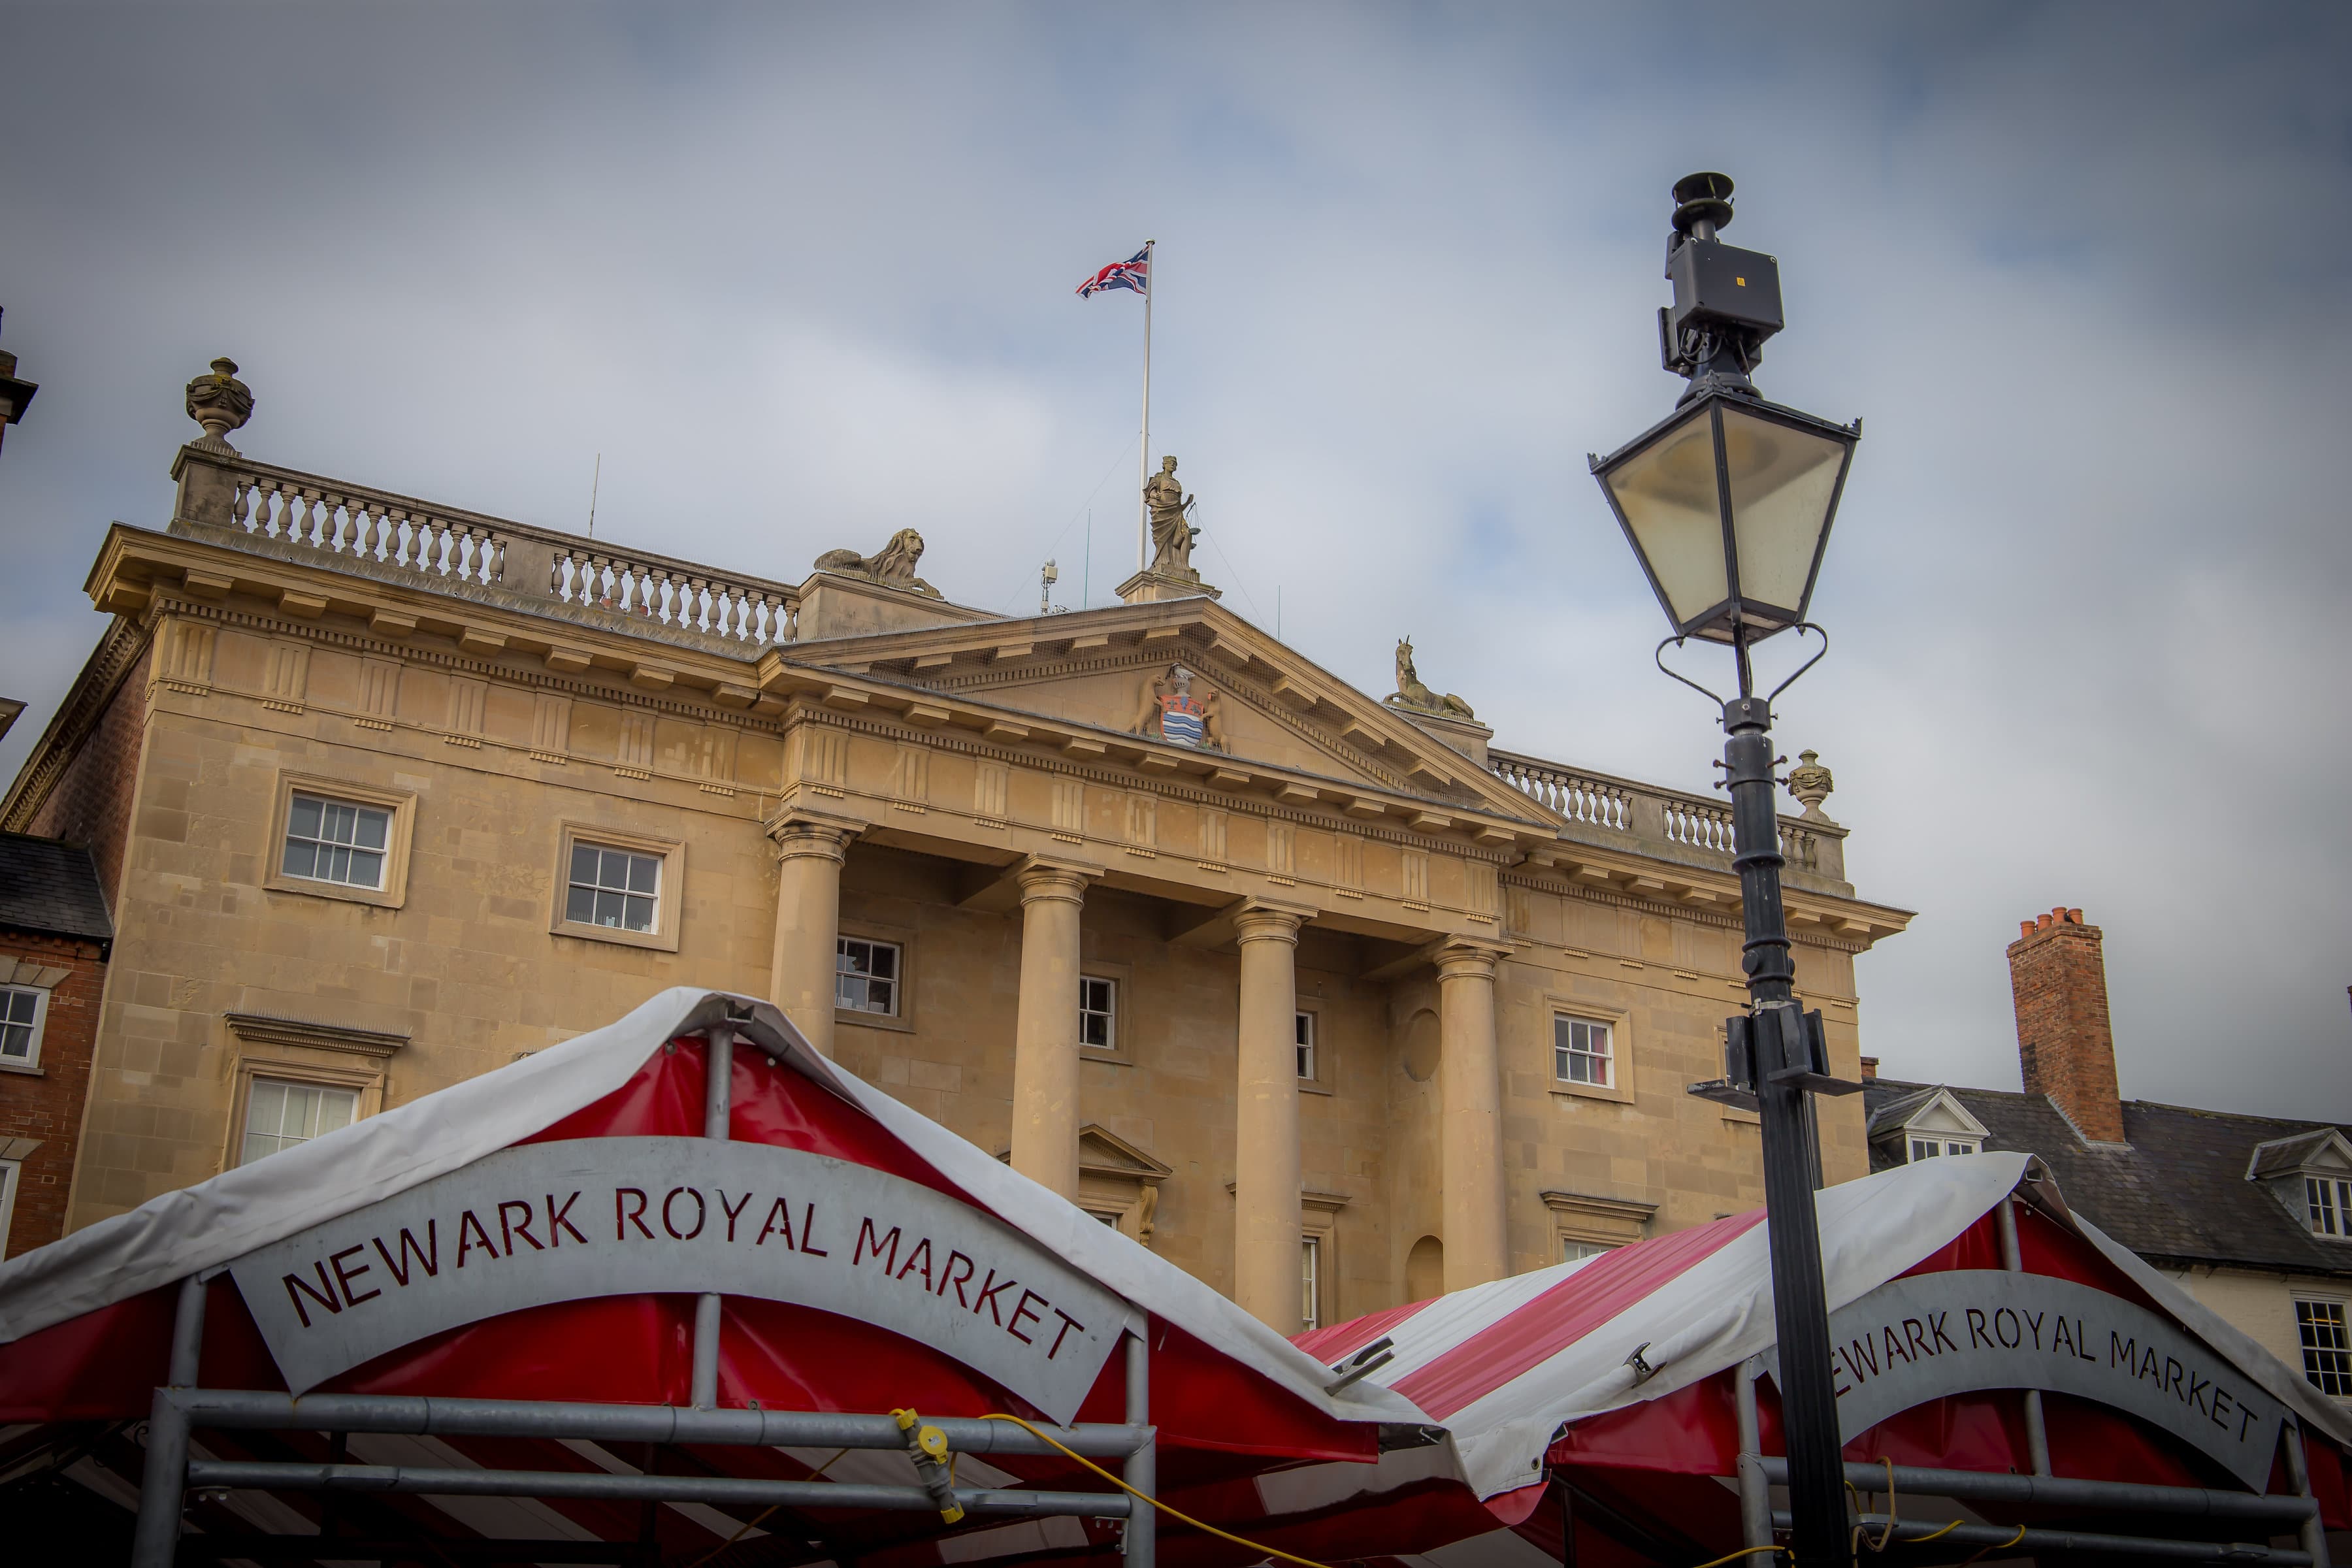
x=1094 y=1029
x=301 y=858
x=17 y=1041
x=881 y=996
x=19 y=1006
x=883 y=959
x=644 y=874
x=608 y=909
x=337 y=827
x=581 y=906
x=584 y=864
x=367 y=869
x=640 y=914
x=853 y=957
x=304 y=819
x=2326 y=1346
x=372 y=827
x=847 y=991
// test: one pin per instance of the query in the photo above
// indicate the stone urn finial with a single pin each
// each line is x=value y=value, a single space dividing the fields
x=220 y=402
x=1811 y=782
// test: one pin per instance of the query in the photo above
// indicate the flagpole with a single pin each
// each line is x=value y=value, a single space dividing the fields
x=1143 y=460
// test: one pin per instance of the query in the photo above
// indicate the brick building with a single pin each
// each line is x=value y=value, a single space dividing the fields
x=2252 y=1215
x=54 y=938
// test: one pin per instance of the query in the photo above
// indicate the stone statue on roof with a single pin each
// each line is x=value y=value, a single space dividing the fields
x=1171 y=534
x=893 y=567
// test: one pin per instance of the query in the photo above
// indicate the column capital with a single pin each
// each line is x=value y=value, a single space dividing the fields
x=1466 y=957
x=1269 y=919
x=799 y=832
x=1044 y=879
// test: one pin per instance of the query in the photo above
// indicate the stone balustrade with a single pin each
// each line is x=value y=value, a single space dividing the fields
x=1640 y=811
x=311 y=515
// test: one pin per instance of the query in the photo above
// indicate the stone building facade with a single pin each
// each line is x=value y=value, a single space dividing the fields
x=1314 y=992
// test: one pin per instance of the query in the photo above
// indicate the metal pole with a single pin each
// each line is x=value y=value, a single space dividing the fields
x=1143 y=460
x=1141 y=1539
x=719 y=1056
x=1799 y=1305
x=2313 y=1533
x=2037 y=1432
x=1754 y=1492
x=162 y=1485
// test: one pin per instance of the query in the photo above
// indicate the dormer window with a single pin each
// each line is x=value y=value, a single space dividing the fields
x=2311 y=1176
x=1926 y=1124
x=2329 y=1201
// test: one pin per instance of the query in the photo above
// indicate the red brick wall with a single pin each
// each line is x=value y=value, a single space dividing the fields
x=2058 y=976
x=48 y=1106
x=90 y=804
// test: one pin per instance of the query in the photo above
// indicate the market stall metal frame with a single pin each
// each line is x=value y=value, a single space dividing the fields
x=182 y=1405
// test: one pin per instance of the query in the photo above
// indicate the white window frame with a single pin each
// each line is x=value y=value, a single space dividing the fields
x=1566 y=1052
x=31 y=1062
x=1574 y=1249
x=324 y=845
x=254 y=1083
x=896 y=980
x=1305 y=1046
x=399 y=807
x=2323 y=1364
x=12 y=1176
x=319 y=1056
x=1108 y=1012
x=669 y=891
x=2327 y=1205
x=596 y=888
x=1930 y=1145
x=1310 y=1282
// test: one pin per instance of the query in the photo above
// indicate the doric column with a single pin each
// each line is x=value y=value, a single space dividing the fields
x=1265 y=1151
x=1470 y=1126
x=809 y=852
x=1045 y=1033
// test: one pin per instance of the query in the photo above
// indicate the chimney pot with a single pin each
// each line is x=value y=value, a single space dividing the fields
x=2025 y=929
x=2065 y=1044
x=1870 y=1070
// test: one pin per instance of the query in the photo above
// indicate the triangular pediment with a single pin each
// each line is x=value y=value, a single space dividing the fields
x=1265 y=703
x=1102 y=1152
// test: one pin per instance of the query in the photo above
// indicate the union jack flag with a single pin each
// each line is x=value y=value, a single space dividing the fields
x=1135 y=273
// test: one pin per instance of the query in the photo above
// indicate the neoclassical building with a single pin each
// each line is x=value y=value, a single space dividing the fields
x=1316 y=993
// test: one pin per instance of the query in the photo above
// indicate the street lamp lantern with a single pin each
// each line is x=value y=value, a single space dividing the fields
x=1727 y=500
x=1727 y=504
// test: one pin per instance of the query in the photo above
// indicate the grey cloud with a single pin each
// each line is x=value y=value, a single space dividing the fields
x=804 y=278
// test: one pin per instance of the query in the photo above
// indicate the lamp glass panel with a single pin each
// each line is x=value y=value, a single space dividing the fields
x=1667 y=493
x=1781 y=482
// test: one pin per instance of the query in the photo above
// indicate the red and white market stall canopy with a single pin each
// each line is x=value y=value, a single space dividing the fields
x=544 y=1233
x=1615 y=1375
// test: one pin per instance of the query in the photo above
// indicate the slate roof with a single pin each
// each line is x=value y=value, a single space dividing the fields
x=50 y=887
x=2177 y=1194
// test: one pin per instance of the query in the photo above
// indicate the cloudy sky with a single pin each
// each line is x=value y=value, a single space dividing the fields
x=803 y=276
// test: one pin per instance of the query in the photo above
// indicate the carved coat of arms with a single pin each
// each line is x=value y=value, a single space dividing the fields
x=1173 y=713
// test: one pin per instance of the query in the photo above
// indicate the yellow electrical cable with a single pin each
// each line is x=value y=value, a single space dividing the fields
x=2002 y=1547
x=1163 y=1508
x=757 y=1518
x=1746 y=1552
x=1935 y=1533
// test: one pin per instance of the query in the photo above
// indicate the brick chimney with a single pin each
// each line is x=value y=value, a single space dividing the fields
x=1870 y=1070
x=2058 y=976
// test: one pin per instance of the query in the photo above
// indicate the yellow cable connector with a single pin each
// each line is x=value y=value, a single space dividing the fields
x=928 y=1446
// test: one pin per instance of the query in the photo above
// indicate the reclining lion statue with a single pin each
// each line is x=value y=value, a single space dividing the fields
x=893 y=567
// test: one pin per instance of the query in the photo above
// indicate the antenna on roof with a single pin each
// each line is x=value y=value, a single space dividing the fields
x=1047 y=576
x=594 y=483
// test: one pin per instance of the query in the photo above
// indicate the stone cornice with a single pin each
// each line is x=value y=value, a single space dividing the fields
x=262 y=1029
x=117 y=652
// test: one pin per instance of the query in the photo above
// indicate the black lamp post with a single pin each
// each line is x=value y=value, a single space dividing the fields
x=1727 y=504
